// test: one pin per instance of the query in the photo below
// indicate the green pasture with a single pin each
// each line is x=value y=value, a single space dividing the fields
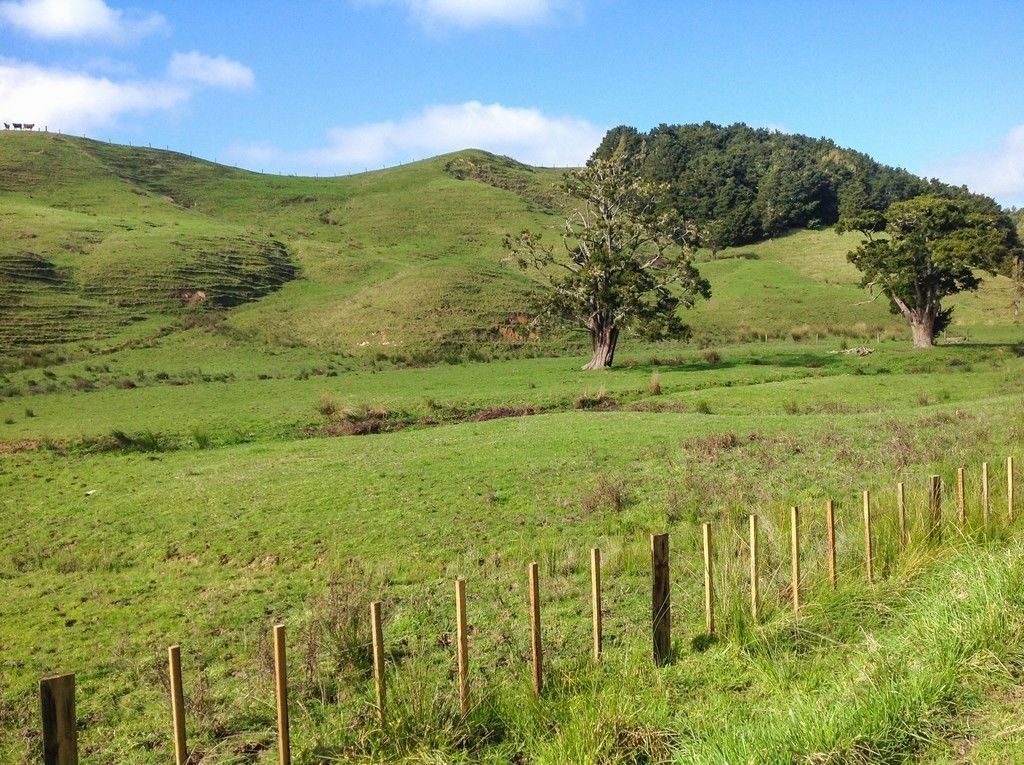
x=175 y=474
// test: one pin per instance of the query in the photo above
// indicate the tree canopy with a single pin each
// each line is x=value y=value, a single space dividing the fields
x=924 y=249
x=625 y=259
x=743 y=184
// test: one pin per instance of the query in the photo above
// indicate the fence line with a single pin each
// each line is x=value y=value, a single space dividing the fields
x=57 y=694
x=754 y=585
x=869 y=550
x=1010 y=510
x=536 y=648
x=462 y=645
x=901 y=515
x=709 y=585
x=934 y=506
x=595 y=602
x=961 y=498
x=378 y=658
x=177 y=705
x=284 y=755
x=661 y=603
x=985 y=497
x=60 y=730
x=794 y=539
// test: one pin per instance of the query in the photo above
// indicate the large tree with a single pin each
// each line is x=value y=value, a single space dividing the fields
x=924 y=249
x=625 y=259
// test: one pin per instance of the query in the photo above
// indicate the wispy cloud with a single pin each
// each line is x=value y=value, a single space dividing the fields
x=470 y=14
x=998 y=172
x=76 y=101
x=528 y=135
x=79 y=20
x=215 y=71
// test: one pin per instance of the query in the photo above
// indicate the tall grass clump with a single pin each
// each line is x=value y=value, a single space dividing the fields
x=335 y=641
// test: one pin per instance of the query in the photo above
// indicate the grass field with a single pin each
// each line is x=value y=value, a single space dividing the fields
x=174 y=475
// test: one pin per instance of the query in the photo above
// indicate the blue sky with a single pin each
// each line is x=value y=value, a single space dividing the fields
x=334 y=86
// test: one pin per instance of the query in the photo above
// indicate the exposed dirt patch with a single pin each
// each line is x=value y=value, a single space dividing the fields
x=13 y=447
x=502 y=412
x=379 y=421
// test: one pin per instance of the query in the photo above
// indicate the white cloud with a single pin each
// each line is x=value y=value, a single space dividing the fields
x=79 y=19
x=528 y=135
x=215 y=71
x=999 y=172
x=76 y=101
x=478 y=13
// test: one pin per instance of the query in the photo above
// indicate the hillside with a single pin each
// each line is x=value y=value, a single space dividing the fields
x=104 y=243
x=103 y=246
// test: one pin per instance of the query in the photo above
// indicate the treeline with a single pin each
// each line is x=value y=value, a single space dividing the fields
x=744 y=184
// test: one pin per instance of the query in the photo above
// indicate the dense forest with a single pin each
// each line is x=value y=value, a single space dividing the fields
x=744 y=184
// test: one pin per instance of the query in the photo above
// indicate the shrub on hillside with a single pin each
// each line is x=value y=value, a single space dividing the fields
x=607 y=494
x=328 y=405
x=599 y=400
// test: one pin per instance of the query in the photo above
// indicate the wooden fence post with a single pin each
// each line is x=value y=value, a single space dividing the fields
x=661 y=603
x=985 y=500
x=60 y=725
x=753 y=568
x=869 y=552
x=709 y=587
x=462 y=644
x=830 y=529
x=794 y=538
x=595 y=601
x=378 y=657
x=284 y=747
x=1009 y=489
x=901 y=513
x=934 y=505
x=961 y=498
x=177 y=705
x=536 y=649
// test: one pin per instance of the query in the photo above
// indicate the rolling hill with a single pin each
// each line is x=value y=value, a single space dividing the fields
x=104 y=243
x=103 y=246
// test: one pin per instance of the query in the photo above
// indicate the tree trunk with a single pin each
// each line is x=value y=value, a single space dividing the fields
x=922 y=321
x=922 y=326
x=603 y=339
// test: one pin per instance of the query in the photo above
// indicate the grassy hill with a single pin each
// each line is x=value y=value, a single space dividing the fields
x=284 y=452
x=98 y=239
x=102 y=245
